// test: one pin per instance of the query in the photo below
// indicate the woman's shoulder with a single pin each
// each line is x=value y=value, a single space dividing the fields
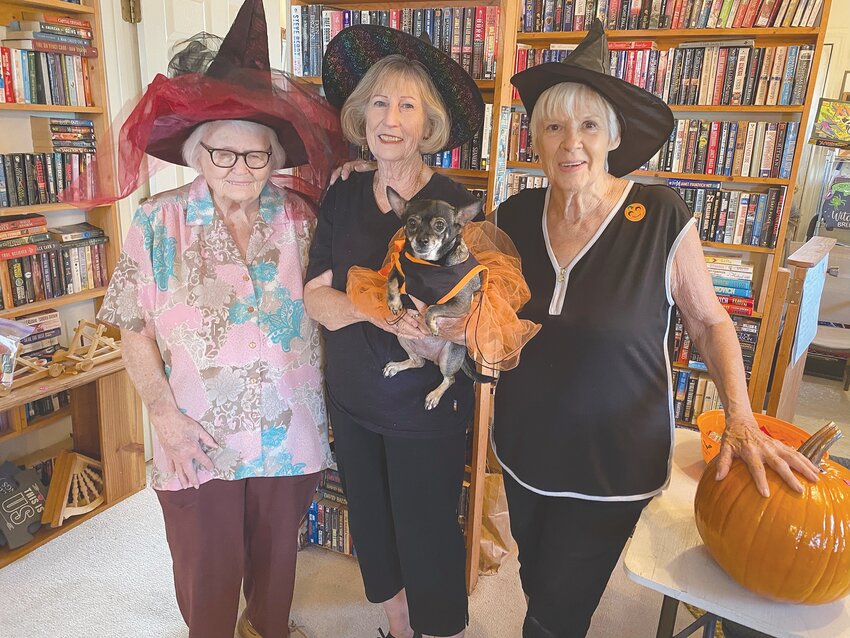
x=168 y=204
x=521 y=206
x=657 y=195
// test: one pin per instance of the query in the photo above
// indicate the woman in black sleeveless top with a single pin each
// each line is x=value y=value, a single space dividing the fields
x=584 y=425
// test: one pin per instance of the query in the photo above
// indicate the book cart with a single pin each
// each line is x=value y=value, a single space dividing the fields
x=104 y=410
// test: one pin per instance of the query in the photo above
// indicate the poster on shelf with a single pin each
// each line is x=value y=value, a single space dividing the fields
x=835 y=209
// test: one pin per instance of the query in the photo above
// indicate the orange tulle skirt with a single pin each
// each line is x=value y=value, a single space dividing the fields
x=492 y=332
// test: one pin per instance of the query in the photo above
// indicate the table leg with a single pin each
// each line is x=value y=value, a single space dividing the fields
x=667 y=620
x=710 y=626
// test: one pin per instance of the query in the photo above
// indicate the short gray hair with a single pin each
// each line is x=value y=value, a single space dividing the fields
x=565 y=98
x=192 y=145
x=385 y=72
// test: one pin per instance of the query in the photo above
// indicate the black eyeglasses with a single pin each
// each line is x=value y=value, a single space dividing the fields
x=224 y=158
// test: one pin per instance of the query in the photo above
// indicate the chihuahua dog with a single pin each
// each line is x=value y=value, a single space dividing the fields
x=435 y=268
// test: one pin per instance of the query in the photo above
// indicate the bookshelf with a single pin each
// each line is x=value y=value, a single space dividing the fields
x=497 y=92
x=766 y=260
x=104 y=410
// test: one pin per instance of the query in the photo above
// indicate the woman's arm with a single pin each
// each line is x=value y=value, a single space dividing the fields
x=710 y=327
x=334 y=310
x=178 y=435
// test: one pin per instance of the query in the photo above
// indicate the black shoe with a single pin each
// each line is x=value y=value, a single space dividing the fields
x=416 y=634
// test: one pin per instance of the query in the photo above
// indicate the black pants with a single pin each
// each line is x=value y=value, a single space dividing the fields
x=402 y=498
x=568 y=548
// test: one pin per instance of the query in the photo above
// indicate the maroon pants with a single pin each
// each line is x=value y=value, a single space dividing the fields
x=232 y=534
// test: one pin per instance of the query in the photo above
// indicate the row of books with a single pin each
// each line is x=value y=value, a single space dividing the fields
x=42 y=263
x=520 y=148
x=733 y=216
x=685 y=352
x=327 y=518
x=30 y=179
x=742 y=149
x=694 y=393
x=577 y=15
x=733 y=284
x=36 y=76
x=517 y=181
x=46 y=405
x=62 y=134
x=468 y=34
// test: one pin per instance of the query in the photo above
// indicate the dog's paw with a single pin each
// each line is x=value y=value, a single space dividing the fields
x=394 y=304
x=433 y=399
x=392 y=369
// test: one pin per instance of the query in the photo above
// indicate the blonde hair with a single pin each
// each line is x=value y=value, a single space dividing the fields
x=565 y=99
x=387 y=72
x=192 y=145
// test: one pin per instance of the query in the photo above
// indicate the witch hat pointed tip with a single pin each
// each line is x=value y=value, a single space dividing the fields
x=246 y=44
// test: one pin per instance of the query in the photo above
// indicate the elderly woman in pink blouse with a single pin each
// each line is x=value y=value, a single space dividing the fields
x=208 y=296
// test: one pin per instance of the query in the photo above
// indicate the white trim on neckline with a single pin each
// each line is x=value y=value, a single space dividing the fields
x=562 y=275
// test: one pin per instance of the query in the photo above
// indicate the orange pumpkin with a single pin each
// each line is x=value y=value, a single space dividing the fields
x=789 y=547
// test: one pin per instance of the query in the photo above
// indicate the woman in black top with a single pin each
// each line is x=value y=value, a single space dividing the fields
x=584 y=425
x=402 y=466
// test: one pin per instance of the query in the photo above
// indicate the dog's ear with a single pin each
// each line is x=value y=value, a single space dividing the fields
x=469 y=212
x=397 y=202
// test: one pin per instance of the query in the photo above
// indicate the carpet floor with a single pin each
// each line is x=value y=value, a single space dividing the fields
x=111 y=578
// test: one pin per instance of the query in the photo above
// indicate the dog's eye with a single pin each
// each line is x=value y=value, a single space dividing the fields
x=411 y=223
x=439 y=225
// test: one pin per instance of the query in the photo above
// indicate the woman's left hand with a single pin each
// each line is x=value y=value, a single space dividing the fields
x=744 y=439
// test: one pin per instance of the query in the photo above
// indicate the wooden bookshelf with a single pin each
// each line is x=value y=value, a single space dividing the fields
x=706 y=108
x=672 y=37
x=104 y=410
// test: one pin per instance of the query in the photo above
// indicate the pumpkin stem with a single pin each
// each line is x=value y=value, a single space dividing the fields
x=816 y=445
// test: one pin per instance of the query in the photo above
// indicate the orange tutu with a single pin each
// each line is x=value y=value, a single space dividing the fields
x=492 y=332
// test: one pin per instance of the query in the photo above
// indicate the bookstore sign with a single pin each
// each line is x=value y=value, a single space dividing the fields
x=835 y=212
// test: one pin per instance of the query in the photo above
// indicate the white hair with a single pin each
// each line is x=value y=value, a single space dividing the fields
x=565 y=99
x=192 y=145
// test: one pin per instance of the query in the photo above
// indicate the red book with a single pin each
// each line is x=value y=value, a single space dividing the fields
x=711 y=158
x=741 y=13
x=395 y=19
x=732 y=300
x=456 y=157
x=6 y=59
x=54 y=18
x=752 y=12
x=630 y=67
x=16 y=222
x=17 y=251
x=738 y=310
x=627 y=46
x=678 y=14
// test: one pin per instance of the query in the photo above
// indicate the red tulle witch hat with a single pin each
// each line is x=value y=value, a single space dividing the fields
x=230 y=79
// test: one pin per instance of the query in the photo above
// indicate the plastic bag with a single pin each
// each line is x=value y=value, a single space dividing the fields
x=11 y=333
x=496 y=539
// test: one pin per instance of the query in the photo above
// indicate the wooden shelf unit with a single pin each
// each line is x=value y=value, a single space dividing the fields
x=105 y=411
x=767 y=267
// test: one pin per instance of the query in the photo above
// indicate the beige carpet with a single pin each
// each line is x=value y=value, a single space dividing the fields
x=111 y=578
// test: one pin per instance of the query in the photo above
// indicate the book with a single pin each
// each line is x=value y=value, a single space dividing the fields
x=73 y=232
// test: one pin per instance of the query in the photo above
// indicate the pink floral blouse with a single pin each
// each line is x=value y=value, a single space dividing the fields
x=241 y=356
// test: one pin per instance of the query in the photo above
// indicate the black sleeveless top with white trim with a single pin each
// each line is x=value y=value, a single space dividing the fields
x=588 y=413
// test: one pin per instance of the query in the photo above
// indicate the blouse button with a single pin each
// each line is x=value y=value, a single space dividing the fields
x=250 y=308
x=246 y=278
x=252 y=345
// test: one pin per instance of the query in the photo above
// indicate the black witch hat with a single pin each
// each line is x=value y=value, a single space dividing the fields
x=645 y=120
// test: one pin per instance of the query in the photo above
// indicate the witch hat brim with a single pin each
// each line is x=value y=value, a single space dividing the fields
x=237 y=85
x=356 y=49
x=645 y=120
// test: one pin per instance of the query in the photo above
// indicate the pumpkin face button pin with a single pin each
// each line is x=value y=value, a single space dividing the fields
x=635 y=212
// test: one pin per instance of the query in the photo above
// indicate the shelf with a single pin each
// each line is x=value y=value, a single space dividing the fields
x=461 y=173
x=55 y=5
x=36 y=208
x=483 y=85
x=739 y=247
x=50 y=385
x=38 y=423
x=702 y=177
x=50 y=108
x=724 y=108
x=64 y=300
x=671 y=36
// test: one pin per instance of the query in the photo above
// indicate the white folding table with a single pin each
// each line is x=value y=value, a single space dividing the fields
x=667 y=555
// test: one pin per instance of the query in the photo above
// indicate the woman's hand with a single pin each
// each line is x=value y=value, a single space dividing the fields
x=408 y=325
x=180 y=438
x=744 y=439
x=357 y=166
